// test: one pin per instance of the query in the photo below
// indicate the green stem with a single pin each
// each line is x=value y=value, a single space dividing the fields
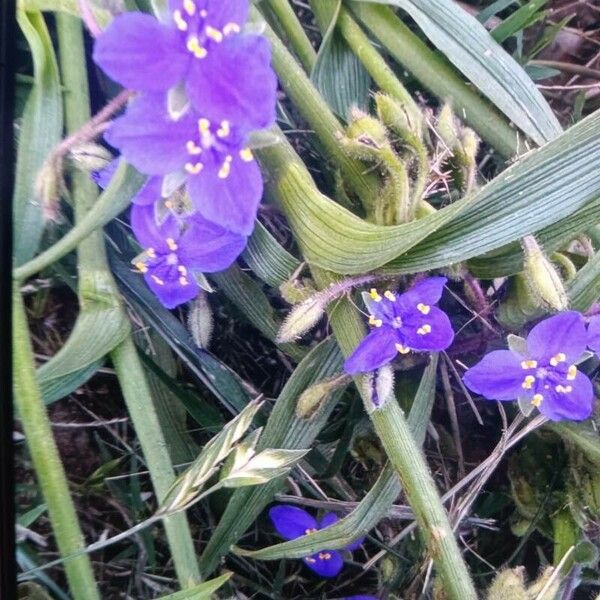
x=566 y=535
x=92 y=259
x=432 y=70
x=294 y=33
x=402 y=449
x=46 y=460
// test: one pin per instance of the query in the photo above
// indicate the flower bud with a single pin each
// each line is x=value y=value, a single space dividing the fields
x=48 y=186
x=301 y=318
x=88 y=156
x=378 y=387
x=365 y=136
x=200 y=320
x=295 y=291
x=312 y=398
x=398 y=117
x=508 y=584
x=544 y=282
x=539 y=586
x=446 y=126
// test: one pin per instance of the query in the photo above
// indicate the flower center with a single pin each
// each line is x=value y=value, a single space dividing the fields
x=552 y=376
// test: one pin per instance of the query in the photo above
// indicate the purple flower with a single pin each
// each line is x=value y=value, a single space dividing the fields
x=402 y=322
x=227 y=74
x=544 y=374
x=223 y=179
x=594 y=334
x=292 y=522
x=174 y=249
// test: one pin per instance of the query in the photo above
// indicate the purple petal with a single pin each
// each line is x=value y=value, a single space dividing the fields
x=140 y=53
x=376 y=350
x=564 y=332
x=575 y=405
x=327 y=563
x=222 y=13
x=149 y=139
x=380 y=306
x=435 y=327
x=291 y=522
x=208 y=247
x=164 y=281
x=497 y=376
x=594 y=334
x=235 y=82
x=149 y=193
x=356 y=544
x=427 y=291
x=148 y=233
x=103 y=176
x=328 y=520
x=231 y=202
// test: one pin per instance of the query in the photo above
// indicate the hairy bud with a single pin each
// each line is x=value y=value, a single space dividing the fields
x=301 y=318
x=48 y=186
x=312 y=398
x=508 y=584
x=200 y=320
x=88 y=156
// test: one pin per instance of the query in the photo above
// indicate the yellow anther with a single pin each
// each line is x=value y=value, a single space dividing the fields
x=374 y=295
x=224 y=130
x=423 y=308
x=158 y=280
x=560 y=357
x=203 y=125
x=402 y=349
x=528 y=364
x=141 y=267
x=309 y=531
x=390 y=295
x=194 y=169
x=225 y=168
x=151 y=252
x=424 y=329
x=246 y=155
x=182 y=269
x=231 y=28
x=324 y=555
x=193 y=148
x=183 y=281
x=193 y=45
x=528 y=382
x=310 y=560
x=190 y=7
x=169 y=204
x=537 y=399
x=180 y=22
x=172 y=244
x=563 y=389
x=213 y=34
x=572 y=372
x=374 y=321
x=203 y=13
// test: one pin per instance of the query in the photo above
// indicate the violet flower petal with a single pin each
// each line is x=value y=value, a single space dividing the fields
x=163 y=280
x=563 y=333
x=150 y=192
x=575 y=405
x=292 y=522
x=148 y=233
x=138 y=52
x=328 y=519
x=427 y=291
x=594 y=334
x=497 y=376
x=327 y=563
x=149 y=139
x=102 y=177
x=230 y=201
x=236 y=83
x=431 y=332
x=374 y=351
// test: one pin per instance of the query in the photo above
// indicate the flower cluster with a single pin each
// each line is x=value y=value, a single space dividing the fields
x=292 y=522
x=204 y=85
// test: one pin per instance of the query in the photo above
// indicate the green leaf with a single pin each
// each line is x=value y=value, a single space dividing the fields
x=284 y=429
x=376 y=504
x=55 y=388
x=467 y=44
x=102 y=16
x=523 y=17
x=40 y=131
x=338 y=74
x=200 y=592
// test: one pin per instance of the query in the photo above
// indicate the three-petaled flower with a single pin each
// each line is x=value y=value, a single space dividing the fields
x=401 y=323
x=292 y=522
x=174 y=249
x=227 y=73
x=223 y=179
x=545 y=374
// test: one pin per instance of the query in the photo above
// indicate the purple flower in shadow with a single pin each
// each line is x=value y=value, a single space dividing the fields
x=292 y=522
x=223 y=178
x=175 y=248
x=227 y=73
x=544 y=374
x=401 y=323
x=593 y=332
